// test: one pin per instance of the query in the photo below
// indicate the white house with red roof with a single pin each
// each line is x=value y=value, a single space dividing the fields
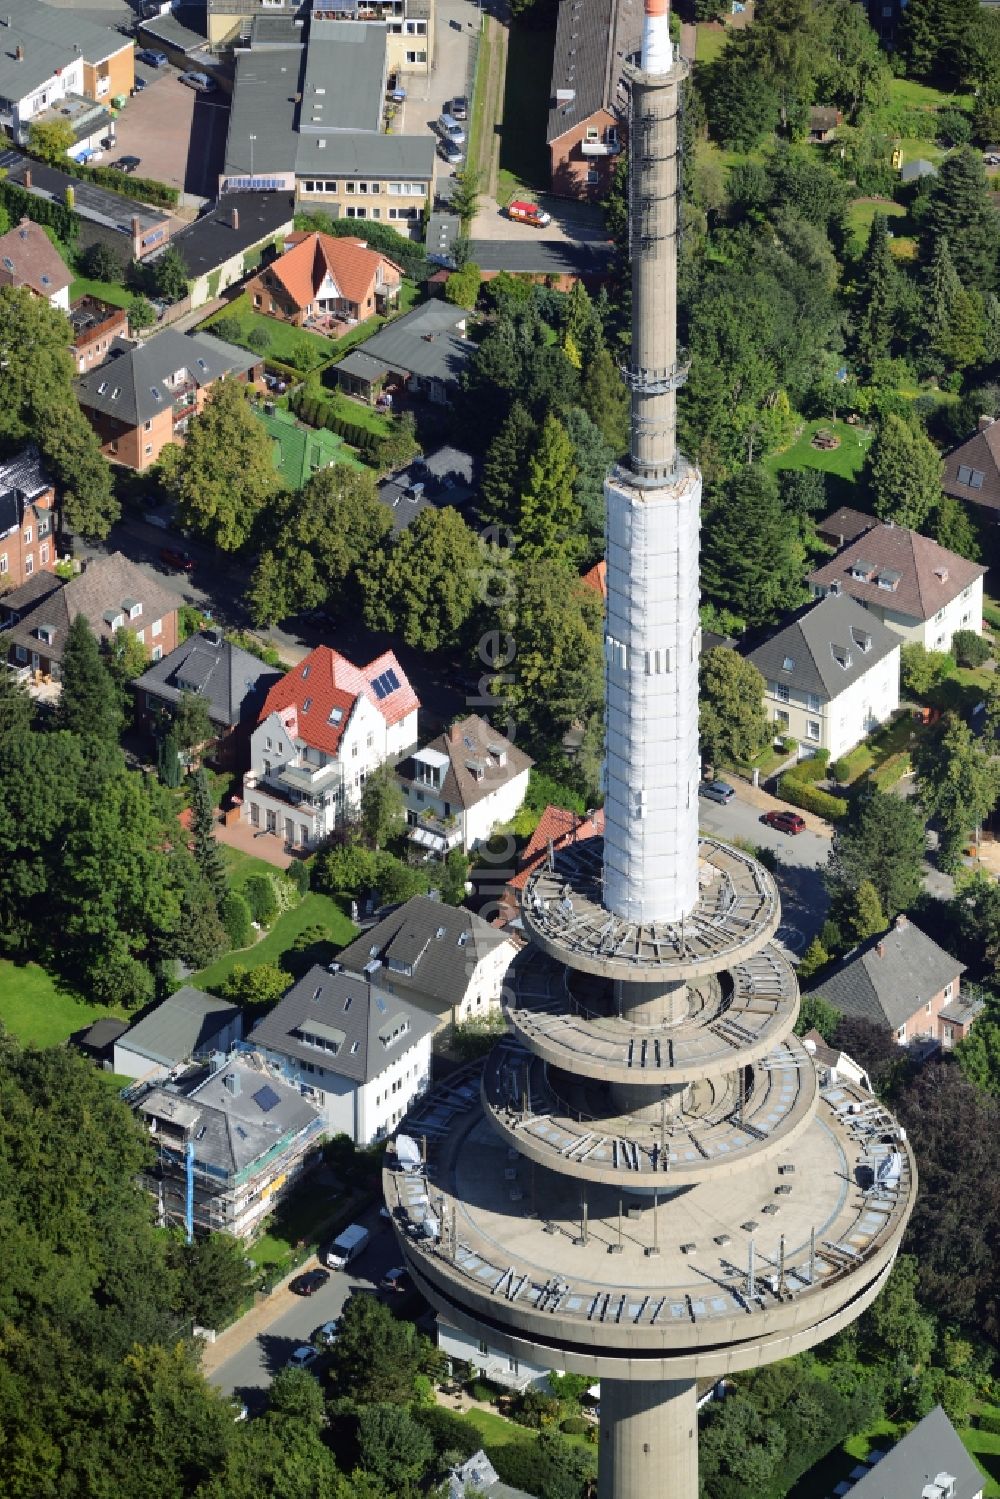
x=322 y=730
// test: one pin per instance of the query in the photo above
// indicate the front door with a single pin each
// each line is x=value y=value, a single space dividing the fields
x=289 y=832
x=272 y=821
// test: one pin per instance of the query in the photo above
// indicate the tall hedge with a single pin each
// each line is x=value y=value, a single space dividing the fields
x=20 y=204
x=810 y=798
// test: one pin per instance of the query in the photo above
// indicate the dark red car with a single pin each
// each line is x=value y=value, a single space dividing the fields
x=181 y=562
x=785 y=822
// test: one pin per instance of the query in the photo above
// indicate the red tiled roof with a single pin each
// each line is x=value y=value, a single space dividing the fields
x=929 y=576
x=562 y=827
x=597 y=578
x=326 y=680
x=350 y=262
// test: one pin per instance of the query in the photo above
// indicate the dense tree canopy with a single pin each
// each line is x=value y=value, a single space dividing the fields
x=224 y=475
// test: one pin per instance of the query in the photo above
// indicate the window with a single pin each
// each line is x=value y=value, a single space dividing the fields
x=134 y=611
x=812 y=728
x=27 y=536
x=3 y=563
x=901 y=1033
x=357 y=213
x=927 y=1008
x=156 y=627
x=43 y=553
x=972 y=478
x=781 y=718
x=29 y=566
x=948 y=988
x=157 y=652
x=593 y=177
x=782 y=692
x=43 y=529
x=813 y=703
x=147 y=425
x=350 y=188
x=140 y=635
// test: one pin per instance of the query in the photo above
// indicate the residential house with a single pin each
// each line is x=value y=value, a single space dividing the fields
x=321 y=276
x=844 y=525
x=904 y=982
x=972 y=470
x=477 y=1475
x=597 y=579
x=129 y=228
x=447 y=476
x=823 y=122
x=230 y=682
x=95 y=327
x=920 y=590
x=831 y=675
x=143 y=396
x=423 y=353
x=324 y=727
x=929 y=1462
x=112 y=593
x=588 y=99
x=557 y=828
x=509 y=1370
x=188 y=1025
x=29 y=258
x=308 y=117
x=914 y=171
x=52 y=52
x=15 y=603
x=238 y=1139
x=409 y=24
x=458 y=787
x=27 y=519
x=360 y=1054
x=444 y=959
x=230 y=239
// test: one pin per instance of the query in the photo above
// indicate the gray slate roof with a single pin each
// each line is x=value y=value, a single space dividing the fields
x=593 y=39
x=366 y=153
x=344 y=85
x=932 y=1449
x=230 y=1131
x=425 y=342
x=448 y=477
x=369 y=1027
x=818 y=640
x=438 y=944
x=477 y=1475
x=18 y=601
x=183 y=1026
x=101 y=589
x=232 y=683
x=212 y=239
x=133 y=376
x=890 y=978
x=48 y=38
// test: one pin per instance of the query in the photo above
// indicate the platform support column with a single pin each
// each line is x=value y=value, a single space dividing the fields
x=648 y=1445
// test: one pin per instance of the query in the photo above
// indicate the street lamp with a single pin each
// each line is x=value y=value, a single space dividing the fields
x=251 y=138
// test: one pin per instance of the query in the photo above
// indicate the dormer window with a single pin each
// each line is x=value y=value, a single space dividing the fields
x=889 y=580
x=788 y=664
x=972 y=478
x=862 y=639
x=861 y=571
x=841 y=655
x=46 y=634
x=134 y=610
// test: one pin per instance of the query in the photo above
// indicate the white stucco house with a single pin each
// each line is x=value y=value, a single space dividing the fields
x=444 y=959
x=358 y=1053
x=831 y=675
x=322 y=730
x=458 y=787
x=920 y=590
x=504 y=1369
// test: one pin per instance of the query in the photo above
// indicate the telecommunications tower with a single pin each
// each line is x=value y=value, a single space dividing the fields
x=653 y=1185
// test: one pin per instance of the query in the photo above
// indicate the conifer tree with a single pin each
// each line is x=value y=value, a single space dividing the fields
x=605 y=399
x=868 y=918
x=904 y=473
x=876 y=297
x=207 y=853
x=959 y=210
x=88 y=702
x=504 y=467
x=549 y=523
x=954 y=317
x=750 y=561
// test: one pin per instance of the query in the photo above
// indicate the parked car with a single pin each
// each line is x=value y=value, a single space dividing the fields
x=303 y=1357
x=326 y=1334
x=152 y=59
x=449 y=129
x=126 y=163
x=717 y=791
x=180 y=561
x=397 y=1280
x=452 y=154
x=139 y=84
x=309 y=1283
x=528 y=213
x=785 y=822
x=459 y=108
x=200 y=81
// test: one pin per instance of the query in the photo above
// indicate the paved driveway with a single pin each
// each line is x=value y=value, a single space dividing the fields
x=179 y=135
x=290 y=1320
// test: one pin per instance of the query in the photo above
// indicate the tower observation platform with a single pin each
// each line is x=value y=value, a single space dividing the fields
x=648 y=1183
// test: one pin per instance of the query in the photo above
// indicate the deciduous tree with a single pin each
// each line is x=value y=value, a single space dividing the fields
x=882 y=841
x=957 y=784
x=428 y=584
x=732 y=722
x=383 y=811
x=224 y=475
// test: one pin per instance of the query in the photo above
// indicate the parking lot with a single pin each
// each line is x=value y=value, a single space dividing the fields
x=178 y=134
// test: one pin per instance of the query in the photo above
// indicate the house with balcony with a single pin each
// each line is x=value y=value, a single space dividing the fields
x=112 y=593
x=905 y=983
x=446 y=960
x=95 y=326
x=27 y=519
x=327 y=283
x=324 y=727
x=458 y=787
x=358 y=1053
x=920 y=590
x=52 y=53
x=588 y=101
x=229 y=681
x=144 y=395
x=831 y=675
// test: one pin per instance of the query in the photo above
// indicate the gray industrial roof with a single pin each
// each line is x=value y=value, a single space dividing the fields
x=593 y=39
x=183 y=1026
x=130 y=384
x=366 y=153
x=440 y=946
x=425 y=342
x=921 y=1459
x=264 y=106
x=825 y=649
x=369 y=1027
x=234 y=224
x=231 y=682
x=49 y=39
x=891 y=977
x=344 y=85
x=97 y=204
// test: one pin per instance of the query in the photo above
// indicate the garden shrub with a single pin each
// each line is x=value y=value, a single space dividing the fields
x=969 y=648
x=299 y=874
x=258 y=891
x=234 y=913
x=989 y=1421
x=810 y=798
x=840 y=770
x=447 y=1431
x=574 y=1426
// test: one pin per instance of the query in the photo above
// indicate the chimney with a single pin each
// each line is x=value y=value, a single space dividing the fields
x=26 y=179
x=880 y=949
x=984 y=422
x=236 y=218
x=19 y=53
x=232 y=1083
x=454 y=733
x=901 y=922
x=136 y=226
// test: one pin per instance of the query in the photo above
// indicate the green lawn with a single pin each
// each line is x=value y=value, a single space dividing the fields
x=307 y=350
x=497 y=1431
x=523 y=157
x=881 y=746
x=912 y=95
x=300 y=450
x=105 y=291
x=314 y=910
x=845 y=461
x=984 y=1448
x=240 y=865
x=861 y=212
x=709 y=42
x=477 y=159
x=37 y=1010
x=355 y=411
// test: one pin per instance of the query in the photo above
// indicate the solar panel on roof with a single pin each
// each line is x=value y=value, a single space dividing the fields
x=265 y=1098
x=391 y=678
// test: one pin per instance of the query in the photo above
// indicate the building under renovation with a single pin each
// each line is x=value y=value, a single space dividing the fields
x=231 y=1140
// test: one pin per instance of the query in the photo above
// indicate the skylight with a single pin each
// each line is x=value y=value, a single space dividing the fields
x=307 y=705
x=336 y=714
x=266 y=1099
x=305 y=672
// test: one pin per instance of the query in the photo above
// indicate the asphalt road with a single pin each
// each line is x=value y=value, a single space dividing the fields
x=248 y=1373
x=554 y=257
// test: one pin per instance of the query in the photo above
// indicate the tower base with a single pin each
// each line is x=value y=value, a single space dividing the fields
x=649 y=1440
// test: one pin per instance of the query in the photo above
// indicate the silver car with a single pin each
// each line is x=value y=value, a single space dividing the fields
x=717 y=791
